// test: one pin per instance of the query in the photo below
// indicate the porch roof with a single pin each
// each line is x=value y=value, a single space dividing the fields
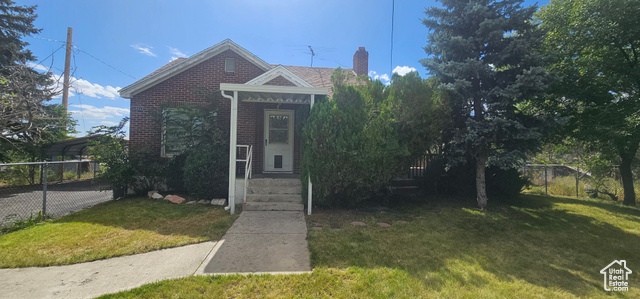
x=274 y=94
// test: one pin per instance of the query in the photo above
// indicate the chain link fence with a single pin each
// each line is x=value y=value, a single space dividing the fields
x=51 y=188
x=575 y=181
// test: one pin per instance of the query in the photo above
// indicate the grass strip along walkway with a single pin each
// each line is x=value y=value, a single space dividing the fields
x=534 y=246
x=115 y=228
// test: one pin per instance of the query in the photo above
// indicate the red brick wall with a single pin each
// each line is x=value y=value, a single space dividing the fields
x=145 y=129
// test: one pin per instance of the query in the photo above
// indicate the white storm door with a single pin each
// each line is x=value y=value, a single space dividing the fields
x=278 y=143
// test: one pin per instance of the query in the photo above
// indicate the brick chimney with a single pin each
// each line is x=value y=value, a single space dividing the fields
x=361 y=62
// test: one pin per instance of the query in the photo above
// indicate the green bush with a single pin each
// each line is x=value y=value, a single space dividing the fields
x=349 y=153
x=20 y=175
x=205 y=171
x=460 y=179
x=174 y=173
x=368 y=134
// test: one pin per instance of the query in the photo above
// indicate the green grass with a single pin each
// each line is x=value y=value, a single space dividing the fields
x=566 y=186
x=549 y=247
x=112 y=229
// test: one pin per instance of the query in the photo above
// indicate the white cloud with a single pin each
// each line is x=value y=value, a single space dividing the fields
x=382 y=77
x=108 y=123
x=93 y=112
x=144 y=49
x=94 y=90
x=175 y=53
x=403 y=70
x=38 y=67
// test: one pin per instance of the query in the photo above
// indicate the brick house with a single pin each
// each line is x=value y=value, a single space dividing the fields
x=258 y=106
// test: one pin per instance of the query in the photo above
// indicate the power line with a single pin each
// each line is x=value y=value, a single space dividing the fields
x=50 y=55
x=49 y=39
x=111 y=66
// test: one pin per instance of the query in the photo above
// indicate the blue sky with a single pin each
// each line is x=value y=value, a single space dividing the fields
x=118 y=42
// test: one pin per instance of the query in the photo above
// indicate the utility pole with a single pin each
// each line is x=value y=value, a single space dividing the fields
x=67 y=67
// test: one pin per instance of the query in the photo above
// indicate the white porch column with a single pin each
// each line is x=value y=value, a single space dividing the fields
x=233 y=139
x=309 y=185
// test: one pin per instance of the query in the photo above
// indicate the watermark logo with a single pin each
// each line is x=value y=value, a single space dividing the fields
x=616 y=276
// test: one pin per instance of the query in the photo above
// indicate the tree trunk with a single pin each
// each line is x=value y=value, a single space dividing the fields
x=481 y=186
x=627 y=181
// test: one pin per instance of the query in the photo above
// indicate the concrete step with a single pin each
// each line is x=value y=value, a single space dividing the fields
x=269 y=182
x=252 y=189
x=273 y=206
x=292 y=198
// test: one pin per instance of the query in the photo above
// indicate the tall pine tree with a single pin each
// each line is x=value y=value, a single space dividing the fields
x=482 y=53
x=26 y=121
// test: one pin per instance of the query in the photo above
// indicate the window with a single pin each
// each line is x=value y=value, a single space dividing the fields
x=279 y=129
x=176 y=125
x=230 y=65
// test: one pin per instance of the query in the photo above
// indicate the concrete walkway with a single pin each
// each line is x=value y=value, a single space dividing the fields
x=261 y=242
x=88 y=280
x=258 y=242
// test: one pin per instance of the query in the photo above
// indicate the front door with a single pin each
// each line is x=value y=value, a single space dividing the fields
x=278 y=142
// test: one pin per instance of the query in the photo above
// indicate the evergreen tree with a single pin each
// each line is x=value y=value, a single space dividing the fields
x=24 y=92
x=482 y=53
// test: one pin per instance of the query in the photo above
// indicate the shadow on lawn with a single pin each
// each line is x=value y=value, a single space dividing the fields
x=529 y=239
x=197 y=221
x=616 y=207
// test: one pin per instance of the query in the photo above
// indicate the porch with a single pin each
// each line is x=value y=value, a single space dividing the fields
x=262 y=127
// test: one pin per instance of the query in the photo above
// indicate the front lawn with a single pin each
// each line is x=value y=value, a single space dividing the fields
x=533 y=247
x=112 y=229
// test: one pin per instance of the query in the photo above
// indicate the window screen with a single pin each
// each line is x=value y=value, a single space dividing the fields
x=173 y=131
x=230 y=65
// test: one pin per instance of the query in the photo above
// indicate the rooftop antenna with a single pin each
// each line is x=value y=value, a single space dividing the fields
x=312 y=54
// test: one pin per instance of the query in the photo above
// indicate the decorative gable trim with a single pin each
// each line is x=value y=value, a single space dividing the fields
x=277 y=72
x=150 y=81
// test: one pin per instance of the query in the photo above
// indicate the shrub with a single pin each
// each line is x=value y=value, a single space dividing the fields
x=205 y=171
x=367 y=134
x=174 y=173
x=350 y=153
x=460 y=179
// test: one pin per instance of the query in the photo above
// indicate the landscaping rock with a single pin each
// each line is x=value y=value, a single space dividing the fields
x=190 y=202
x=382 y=224
x=168 y=196
x=218 y=201
x=151 y=193
x=203 y=201
x=176 y=199
x=157 y=196
x=358 y=223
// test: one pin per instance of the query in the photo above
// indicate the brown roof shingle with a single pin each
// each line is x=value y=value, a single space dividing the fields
x=316 y=76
